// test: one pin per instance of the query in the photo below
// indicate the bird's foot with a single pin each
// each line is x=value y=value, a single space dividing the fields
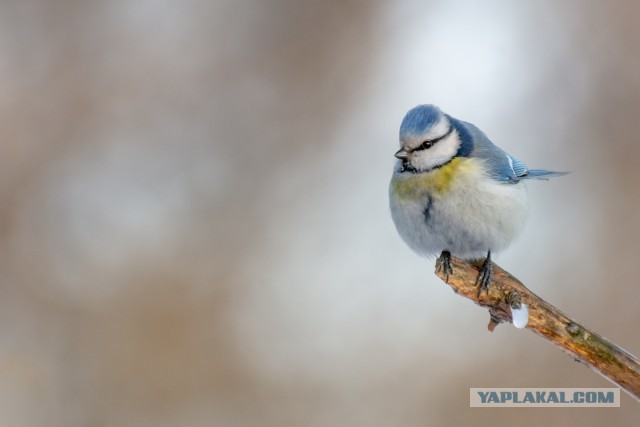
x=444 y=264
x=484 y=277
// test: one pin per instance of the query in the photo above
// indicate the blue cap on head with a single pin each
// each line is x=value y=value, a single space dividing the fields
x=419 y=119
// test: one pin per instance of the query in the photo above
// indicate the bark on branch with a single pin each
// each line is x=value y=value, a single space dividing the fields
x=584 y=345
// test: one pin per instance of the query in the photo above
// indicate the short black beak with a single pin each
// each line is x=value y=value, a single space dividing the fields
x=402 y=154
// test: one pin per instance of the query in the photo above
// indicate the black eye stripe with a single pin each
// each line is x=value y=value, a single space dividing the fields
x=425 y=145
x=430 y=143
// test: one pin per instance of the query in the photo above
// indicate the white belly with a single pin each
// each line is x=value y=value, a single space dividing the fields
x=475 y=215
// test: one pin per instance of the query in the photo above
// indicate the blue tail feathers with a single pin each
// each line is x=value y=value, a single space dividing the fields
x=542 y=174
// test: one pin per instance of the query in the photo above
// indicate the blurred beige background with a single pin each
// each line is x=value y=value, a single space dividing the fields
x=194 y=227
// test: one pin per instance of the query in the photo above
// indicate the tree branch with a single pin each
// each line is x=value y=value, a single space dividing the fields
x=584 y=345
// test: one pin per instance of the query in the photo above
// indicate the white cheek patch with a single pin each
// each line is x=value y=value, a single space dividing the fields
x=520 y=316
x=441 y=152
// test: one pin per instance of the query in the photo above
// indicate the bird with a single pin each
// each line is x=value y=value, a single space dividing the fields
x=454 y=192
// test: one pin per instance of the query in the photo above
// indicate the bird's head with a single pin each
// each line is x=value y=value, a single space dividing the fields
x=427 y=140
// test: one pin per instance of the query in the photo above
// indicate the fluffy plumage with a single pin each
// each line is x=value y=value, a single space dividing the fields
x=453 y=190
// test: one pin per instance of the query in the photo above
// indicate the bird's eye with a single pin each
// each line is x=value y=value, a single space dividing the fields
x=425 y=145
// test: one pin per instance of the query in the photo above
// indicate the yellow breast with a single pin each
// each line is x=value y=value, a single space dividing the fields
x=436 y=182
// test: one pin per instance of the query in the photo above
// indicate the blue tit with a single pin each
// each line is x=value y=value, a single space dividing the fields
x=454 y=192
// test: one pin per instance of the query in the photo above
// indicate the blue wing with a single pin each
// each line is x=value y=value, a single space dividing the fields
x=519 y=168
x=502 y=166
